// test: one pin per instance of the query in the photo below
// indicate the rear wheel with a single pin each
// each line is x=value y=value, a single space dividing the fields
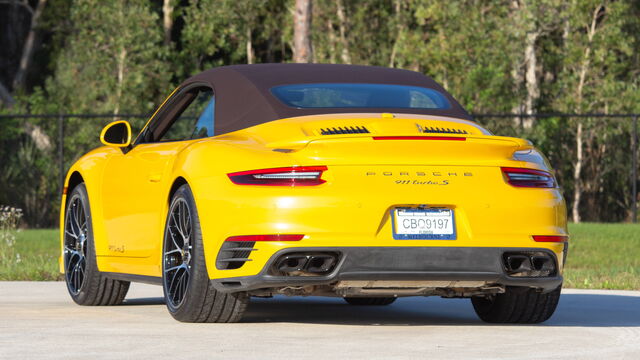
x=86 y=285
x=189 y=294
x=517 y=305
x=369 y=301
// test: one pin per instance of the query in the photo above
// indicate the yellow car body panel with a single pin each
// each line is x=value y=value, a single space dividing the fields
x=129 y=192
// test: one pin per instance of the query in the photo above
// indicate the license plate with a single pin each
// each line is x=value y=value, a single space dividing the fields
x=423 y=224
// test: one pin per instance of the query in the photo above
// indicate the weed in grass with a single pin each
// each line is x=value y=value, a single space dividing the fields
x=28 y=254
x=9 y=221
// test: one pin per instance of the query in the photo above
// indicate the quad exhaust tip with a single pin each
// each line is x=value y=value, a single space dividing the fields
x=306 y=264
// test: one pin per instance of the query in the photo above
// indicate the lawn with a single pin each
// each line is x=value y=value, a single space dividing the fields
x=601 y=256
x=33 y=256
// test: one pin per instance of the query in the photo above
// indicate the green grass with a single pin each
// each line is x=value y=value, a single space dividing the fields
x=601 y=256
x=34 y=256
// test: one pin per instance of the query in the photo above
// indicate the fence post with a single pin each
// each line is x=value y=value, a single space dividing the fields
x=61 y=151
x=634 y=170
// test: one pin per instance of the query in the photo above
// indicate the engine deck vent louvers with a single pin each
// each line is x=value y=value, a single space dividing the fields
x=344 y=130
x=439 y=130
x=233 y=254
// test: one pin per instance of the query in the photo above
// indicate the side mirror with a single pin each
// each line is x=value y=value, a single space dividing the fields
x=117 y=133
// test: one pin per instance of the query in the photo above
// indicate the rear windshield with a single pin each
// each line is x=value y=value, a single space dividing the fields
x=359 y=96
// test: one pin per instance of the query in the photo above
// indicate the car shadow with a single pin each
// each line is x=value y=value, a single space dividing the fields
x=574 y=310
x=579 y=310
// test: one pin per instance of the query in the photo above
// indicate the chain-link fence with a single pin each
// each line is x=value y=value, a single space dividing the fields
x=36 y=151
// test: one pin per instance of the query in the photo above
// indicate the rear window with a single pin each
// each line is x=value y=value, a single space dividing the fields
x=359 y=96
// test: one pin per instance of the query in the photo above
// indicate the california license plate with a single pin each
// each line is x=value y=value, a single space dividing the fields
x=423 y=224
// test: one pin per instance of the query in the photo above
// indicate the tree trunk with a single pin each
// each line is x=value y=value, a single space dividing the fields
x=516 y=70
x=167 y=20
x=332 y=41
x=399 y=30
x=584 y=67
x=6 y=97
x=577 y=182
x=530 y=77
x=342 y=24
x=122 y=57
x=27 y=50
x=525 y=69
x=249 y=46
x=302 y=50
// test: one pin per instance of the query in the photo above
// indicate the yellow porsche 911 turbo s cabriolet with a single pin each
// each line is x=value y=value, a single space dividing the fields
x=359 y=182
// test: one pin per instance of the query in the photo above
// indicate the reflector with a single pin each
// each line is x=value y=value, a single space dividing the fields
x=550 y=238
x=274 y=237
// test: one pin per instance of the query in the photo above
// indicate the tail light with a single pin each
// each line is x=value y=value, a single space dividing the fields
x=286 y=176
x=275 y=237
x=550 y=238
x=521 y=177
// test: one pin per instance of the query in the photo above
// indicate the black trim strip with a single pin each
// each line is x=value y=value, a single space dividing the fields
x=153 y=280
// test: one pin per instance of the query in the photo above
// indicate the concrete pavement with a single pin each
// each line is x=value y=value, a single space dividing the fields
x=39 y=320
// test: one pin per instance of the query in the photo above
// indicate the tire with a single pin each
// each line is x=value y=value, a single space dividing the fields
x=86 y=285
x=189 y=294
x=517 y=305
x=370 y=301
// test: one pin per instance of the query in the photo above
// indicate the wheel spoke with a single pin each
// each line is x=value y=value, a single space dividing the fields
x=183 y=283
x=76 y=278
x=71 y=215
x=83 y=220
x=173 y=280
x=176 y=225
x=175 y=284
x=76 y=216
x=70 y=263
x=173 y=239
x=181 y=266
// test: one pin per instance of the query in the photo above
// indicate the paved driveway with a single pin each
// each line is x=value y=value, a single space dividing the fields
x=39 y=320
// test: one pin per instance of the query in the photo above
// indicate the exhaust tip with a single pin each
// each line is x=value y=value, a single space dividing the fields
x=529 y=264
x=305 y=264
x=518 y=263
x=291 y=263
x=321 y=263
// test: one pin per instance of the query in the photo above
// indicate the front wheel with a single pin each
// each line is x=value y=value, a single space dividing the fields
x=517 y=305
x=189 y=294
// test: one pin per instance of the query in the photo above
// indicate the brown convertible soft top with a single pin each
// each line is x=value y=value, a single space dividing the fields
x=244 y=99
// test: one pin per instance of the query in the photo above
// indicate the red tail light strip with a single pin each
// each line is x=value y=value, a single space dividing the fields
x=275 y=237
x=285 y=176
x=454 y=138
x=521 y=177
x=550 y=238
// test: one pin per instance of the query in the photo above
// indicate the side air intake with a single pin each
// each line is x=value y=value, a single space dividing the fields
x=344 y=130
x=234 y=254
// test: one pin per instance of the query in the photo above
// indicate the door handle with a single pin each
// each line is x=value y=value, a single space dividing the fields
x=155 y=177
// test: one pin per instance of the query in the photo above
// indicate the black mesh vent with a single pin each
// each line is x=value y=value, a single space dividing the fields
x=344 y=130
x=439 y=130
x=233 y=254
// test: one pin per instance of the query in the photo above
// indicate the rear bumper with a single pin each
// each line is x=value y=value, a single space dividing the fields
x=399 y=264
